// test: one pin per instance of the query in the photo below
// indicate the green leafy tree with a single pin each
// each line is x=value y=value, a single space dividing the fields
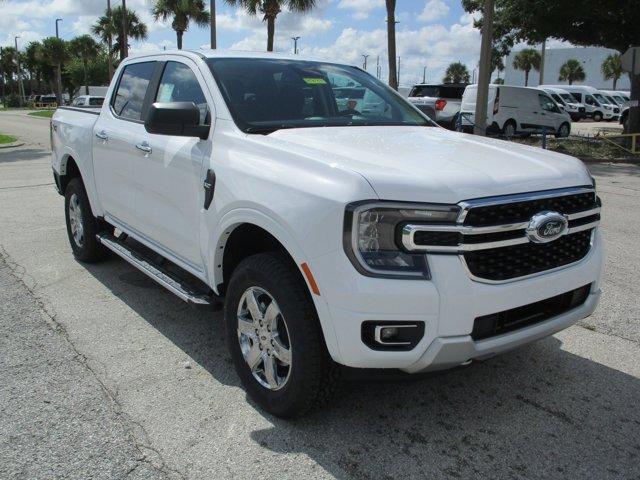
x=527 y=60
x=498 y=81
x=572 y=71
x=9 y=66
x=456 y=73
x=96 y=72
x=612 y=69
x=182 y=13
x=105 y=26
x=54 y=52
x=33 y=64
x=85 y=48
x=270 y=10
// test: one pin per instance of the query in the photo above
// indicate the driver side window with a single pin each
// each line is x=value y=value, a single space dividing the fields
x=547 y=104
x=589 y=100
x=180 y=84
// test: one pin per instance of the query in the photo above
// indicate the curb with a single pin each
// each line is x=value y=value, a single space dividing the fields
x=11 y=145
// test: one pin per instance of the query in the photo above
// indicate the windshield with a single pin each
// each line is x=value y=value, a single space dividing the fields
x=557 y=98
x=601 y=98
x=567 y=97
x=264 y=95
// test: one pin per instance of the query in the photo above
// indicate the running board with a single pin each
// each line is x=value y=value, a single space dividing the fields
x=157 y=273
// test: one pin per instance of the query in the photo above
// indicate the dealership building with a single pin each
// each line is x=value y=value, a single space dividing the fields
x=591 y=59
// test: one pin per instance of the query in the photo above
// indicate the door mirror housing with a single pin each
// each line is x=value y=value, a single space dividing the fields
x=181 y=119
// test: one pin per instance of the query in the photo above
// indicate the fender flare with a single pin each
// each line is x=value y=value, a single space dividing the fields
x=86 y=175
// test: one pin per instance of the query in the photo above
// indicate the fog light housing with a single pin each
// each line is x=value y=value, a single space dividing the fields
x=392 y=335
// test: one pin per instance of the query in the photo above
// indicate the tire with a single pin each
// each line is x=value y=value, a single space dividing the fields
x=597 y=116
x=563 y=131
x=310 y=378
x=510 y=128
x=82 y=226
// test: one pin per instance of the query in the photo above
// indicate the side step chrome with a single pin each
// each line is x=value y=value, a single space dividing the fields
x=157 y=273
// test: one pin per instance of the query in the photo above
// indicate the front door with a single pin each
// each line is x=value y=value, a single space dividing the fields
x=170 y=171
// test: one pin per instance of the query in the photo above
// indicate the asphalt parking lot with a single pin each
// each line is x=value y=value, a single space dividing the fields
x=103 y=374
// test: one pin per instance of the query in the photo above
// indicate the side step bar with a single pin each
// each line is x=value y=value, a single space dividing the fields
x=157 y=273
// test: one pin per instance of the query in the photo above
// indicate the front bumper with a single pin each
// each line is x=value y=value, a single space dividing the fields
x=448 y=304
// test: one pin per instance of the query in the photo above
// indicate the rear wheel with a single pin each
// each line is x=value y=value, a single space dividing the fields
x=509 y=128
x=563 y=131
x=82 y=226
x=274 y=337
x=597 y=116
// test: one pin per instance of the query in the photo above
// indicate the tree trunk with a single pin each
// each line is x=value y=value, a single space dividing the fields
x=179 y=34
x=634 y=111
x=391 y=43
x=526 y=78
x=570 y=81
x=271 y=30
x=615 y=82
x=59 y=84
x=86 y=78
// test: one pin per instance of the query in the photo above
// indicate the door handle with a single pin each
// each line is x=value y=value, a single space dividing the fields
x=145 y=147
x=102 y=135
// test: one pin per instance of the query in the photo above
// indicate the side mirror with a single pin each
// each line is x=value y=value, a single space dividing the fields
x=181 y=119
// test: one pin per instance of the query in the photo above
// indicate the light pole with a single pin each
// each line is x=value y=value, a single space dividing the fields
x=424 y=75
x=57 y=31
x=364 y=65
x=213 y=25
x=295 y=44
x=20 y=86
x=125 y=46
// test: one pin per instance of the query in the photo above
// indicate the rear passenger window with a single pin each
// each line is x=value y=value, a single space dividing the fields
x=179 y=84
x=129 y=98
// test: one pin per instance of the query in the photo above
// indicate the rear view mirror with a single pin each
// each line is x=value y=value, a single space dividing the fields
x=180 y=119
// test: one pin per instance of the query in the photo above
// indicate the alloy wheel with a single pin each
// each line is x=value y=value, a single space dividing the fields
x=75 y=220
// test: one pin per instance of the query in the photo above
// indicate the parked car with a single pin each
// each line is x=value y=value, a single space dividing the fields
x=45 y=100
x=576 y=111
x=513 y=110
x=87 y=101
x=597 y=107
x=441 y=102
x=372 y=240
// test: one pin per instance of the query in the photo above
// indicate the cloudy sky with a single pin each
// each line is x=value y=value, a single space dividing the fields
x=431 y=33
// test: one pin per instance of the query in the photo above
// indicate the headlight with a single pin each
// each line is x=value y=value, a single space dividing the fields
x=372 y=236
x=607 y=107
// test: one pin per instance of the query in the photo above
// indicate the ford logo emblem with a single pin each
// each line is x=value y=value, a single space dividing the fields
x=546 y=227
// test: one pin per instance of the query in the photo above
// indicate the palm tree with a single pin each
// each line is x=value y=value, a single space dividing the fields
x=456 y=73
x=106 y=26
x=571 y=71
x=9 y=64
x=54 y=52
x=183 y=12
x=270 y=10
x=612 y=68
x=497 y=63
x=86 y=49
x=391 y=43
x=527 y=60
x=33 y=64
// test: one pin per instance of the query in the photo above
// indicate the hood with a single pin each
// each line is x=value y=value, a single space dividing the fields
x=423 y=164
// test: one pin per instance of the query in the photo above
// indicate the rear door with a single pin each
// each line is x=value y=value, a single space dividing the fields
x=169 y=177
x=114 y=148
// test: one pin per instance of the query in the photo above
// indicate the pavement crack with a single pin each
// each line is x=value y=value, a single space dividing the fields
x=140 y=438
x=27 y=186
x=563 y=417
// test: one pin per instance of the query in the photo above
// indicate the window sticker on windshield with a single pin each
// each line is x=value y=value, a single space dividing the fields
x=165 y=93
x=315 y=81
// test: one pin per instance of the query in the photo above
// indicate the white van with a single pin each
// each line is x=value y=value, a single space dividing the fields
x=617 y=96
x=577 y=111
x=598 y=107
x=516 y=109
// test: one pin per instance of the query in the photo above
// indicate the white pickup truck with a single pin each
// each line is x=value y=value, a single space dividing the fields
x=333 y=236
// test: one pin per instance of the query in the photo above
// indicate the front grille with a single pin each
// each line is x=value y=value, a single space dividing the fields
x=616 y=110
x=516 y=318
x=581 y=109
x=505 y=213
x=506 y=263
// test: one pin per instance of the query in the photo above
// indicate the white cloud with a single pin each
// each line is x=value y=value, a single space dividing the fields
x=434 y=10
x=361 y=8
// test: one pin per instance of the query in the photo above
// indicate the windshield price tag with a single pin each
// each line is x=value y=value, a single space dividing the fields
x=315 y=81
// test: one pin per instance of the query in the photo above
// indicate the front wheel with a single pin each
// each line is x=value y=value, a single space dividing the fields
x=509 y=129
x=274 y=337
x=597 y=117
x=563 y=131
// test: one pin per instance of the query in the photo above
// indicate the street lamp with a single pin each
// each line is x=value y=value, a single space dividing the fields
x=57 y=31
x=364 y=65
x=295 y=44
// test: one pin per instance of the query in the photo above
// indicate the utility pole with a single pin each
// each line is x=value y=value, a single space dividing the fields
x=20 y=85
x=424 y=75
x=109 y=41
x=57 y=31
x=391 y=43
x=542 y=55
x=398 y=72
x=482 y=99
x=364 y=65
x=295 y=44
x=378 y=68
x=213 y=25
x=125 y=38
